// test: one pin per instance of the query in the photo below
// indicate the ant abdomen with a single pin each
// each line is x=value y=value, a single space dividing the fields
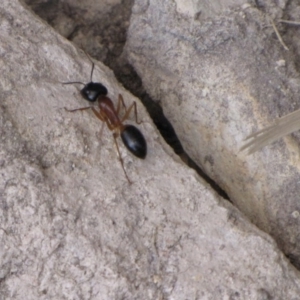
x=134 y=141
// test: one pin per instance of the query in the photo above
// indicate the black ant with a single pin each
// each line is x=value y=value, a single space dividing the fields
x=91 y=90
x=132 y=138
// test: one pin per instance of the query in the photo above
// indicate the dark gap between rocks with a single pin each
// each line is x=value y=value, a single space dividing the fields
x=104 y=40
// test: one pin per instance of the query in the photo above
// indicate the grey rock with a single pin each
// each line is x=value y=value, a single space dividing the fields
x=220 y=79
x=71 y=225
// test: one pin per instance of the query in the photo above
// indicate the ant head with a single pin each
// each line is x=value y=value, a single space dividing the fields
x=93 y=90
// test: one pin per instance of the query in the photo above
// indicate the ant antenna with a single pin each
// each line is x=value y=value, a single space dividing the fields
x=92 y=71
x=93 y=64
x=73 y=82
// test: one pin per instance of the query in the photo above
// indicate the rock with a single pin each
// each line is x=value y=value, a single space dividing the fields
x=204 y=9
x=71 y=225
x=220 y=79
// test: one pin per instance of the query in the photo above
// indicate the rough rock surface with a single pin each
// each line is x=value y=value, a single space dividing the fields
x=204 y=8
x=97 y=26
x=71 y=225
x=220 y=79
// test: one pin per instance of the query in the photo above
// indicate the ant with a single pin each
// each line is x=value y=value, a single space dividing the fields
x=132 y=138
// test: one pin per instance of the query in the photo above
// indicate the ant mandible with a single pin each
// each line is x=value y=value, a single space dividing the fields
x=132 y=138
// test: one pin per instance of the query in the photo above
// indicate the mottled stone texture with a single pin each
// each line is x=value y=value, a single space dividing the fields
x=220 y=79
x=71 y=227
x=205 y=8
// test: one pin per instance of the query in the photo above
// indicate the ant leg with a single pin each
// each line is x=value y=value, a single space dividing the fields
x=103 y=118
x=101 y=133
x=77 y=109
x=135 y=112
x=128 y=111
x=101 y=130
x=121 y=100
x=115 y=135
x=98 y=115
